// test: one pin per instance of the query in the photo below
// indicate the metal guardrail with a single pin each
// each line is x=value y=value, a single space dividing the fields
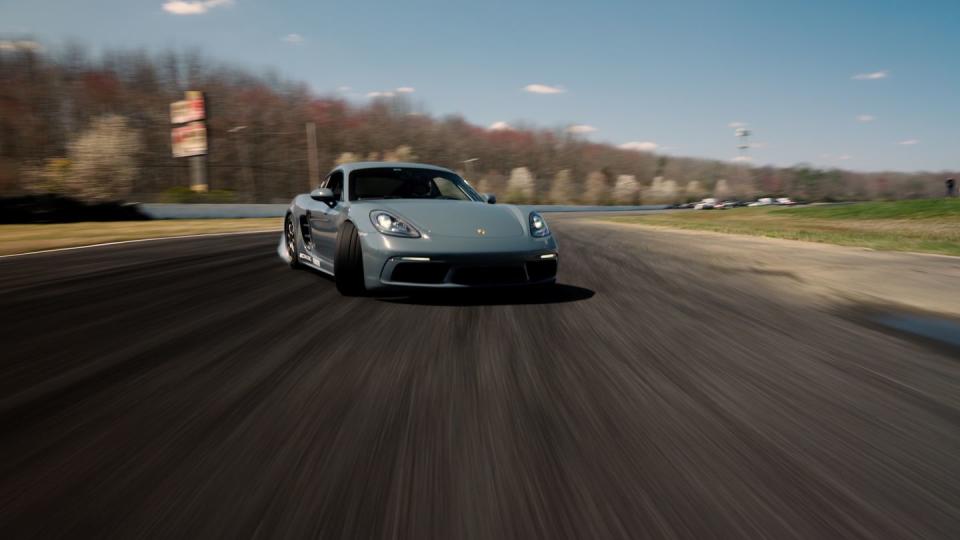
x=220 y=211
x=213 y=211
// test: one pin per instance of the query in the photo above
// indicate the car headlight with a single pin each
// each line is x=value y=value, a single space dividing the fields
x=538 y=225
x=387 y=223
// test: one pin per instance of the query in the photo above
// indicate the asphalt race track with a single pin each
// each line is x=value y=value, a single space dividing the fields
x=199 y=388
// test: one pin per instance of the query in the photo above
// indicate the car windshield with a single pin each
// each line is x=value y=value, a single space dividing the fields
x=409 y=183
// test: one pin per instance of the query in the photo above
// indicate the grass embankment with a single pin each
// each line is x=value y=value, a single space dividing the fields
x=931 y=226
x=36 y=237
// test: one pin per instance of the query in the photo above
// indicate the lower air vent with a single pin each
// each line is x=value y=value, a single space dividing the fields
x=420 y=272
x=489 y=275
x=542 y=270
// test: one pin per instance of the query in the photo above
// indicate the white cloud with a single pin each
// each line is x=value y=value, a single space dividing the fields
x=344 y=89
x=640 y=146
x=543 y=89
x=865 y=118
x=909 y=142
x=293 y=38
x=872 y=76
x=22 y=45
x=844 y=157
x=391 y=93
x=581 y=129
x=193 y=7
x=500 y=126
x=742 y=159
x=736 y=125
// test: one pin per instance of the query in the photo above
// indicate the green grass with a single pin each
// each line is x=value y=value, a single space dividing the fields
x=930 y=226
x=948 y=209
x=36 y=237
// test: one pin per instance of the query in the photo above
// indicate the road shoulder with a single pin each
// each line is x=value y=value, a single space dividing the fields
x=30 y=238
x=828 y=272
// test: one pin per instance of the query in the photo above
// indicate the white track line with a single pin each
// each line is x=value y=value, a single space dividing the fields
x=120 y=242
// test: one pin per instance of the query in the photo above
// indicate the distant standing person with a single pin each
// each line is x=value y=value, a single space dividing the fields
x=951 y=187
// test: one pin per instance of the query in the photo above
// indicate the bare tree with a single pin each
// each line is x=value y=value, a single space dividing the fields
x=721 y=190
x=51 y=176
x=694 y=190
x=48 y=98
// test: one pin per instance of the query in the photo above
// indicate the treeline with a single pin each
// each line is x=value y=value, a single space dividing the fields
x=98 y=128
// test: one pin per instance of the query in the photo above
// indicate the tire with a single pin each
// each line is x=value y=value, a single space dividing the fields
x=290 y=240
x=348 y=262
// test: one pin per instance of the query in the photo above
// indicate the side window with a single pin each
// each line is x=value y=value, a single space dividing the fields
x=335 y=182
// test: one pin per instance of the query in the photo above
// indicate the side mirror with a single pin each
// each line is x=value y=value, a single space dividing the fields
x=491 y=198
x=322 y=195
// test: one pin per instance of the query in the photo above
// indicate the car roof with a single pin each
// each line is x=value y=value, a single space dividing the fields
x=348 y=167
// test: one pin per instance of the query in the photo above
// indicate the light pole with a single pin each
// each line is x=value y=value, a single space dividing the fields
x=744 y=135
x=245 y=172
x=467 y=166
x=313 y=161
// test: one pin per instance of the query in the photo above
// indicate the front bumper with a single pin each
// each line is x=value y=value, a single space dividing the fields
x=400 y=263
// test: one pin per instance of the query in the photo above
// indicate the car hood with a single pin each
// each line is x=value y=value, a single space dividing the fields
x=458 y=219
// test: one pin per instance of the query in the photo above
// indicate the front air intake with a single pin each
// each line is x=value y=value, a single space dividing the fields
x=421 y=272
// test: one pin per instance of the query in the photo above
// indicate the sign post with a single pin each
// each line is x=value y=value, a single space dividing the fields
x=313 y=163
x=189 y=136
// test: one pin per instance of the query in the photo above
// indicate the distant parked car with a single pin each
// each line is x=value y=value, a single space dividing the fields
x=766 y=201
x=785 y=201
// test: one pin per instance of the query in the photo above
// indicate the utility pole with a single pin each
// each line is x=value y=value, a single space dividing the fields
x=243 y=152
x=744 y=135
x=313 y=162
x=468 y=167
x=198 y=174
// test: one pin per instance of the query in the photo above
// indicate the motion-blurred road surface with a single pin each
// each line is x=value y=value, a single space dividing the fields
x=200 y=389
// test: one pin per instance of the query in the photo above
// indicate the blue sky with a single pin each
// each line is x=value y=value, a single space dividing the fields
x=865 y=85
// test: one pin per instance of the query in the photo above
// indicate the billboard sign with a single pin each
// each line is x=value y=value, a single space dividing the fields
x=190 y=140
x=189 y=110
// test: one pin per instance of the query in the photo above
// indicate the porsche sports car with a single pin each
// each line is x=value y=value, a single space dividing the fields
x=395 y=225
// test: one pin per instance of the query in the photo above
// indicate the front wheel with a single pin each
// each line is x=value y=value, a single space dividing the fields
x=290 y=239
x=348 y=262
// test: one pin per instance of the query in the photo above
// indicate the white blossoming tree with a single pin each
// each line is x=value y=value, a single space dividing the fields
x=597 y=191
x=103 y=160
x=520 y=186
x=626 y=190
x=562 y=191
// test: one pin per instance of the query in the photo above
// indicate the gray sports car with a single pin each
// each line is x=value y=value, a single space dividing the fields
x=384 y=225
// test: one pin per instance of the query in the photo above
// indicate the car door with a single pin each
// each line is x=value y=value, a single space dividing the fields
x=323 y=219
